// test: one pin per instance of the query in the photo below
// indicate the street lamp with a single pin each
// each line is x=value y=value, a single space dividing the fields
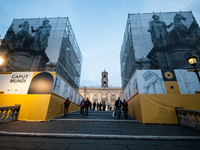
x=192 y=59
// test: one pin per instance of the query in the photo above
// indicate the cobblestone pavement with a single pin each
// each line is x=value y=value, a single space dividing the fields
x=99 y=130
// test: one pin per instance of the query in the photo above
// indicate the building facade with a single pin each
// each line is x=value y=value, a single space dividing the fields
x=104 y=93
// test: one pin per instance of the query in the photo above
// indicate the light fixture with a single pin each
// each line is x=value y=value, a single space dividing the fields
x=1 y=60
x=192 y=59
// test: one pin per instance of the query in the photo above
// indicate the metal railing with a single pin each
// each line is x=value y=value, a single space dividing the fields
x=9 y=113
x=189 y=118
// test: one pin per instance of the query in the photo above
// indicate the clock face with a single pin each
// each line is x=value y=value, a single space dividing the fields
x=104 y=79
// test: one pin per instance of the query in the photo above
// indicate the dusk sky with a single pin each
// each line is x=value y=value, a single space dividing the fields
x=98 y=26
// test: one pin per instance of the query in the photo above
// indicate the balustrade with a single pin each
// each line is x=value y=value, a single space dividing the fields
x=188 y=118
x=9 y=113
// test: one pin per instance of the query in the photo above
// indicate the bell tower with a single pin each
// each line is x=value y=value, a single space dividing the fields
x=104 y=80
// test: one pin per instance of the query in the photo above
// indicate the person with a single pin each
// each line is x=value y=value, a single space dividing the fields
x=158 y=30
x=118 y=104
x=82 y=106
x=41 y=37
x=108 y=106
x=97 y=106
x=90 y=104
x=87 y=104
x=66 y=106
x=125 y=109
x=100 y=106
x=104 y=107
x=94 y=105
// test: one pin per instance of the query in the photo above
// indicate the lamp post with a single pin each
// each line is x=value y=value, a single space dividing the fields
x=192 y=59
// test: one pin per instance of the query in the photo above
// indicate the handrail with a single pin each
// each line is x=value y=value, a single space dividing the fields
x=9 y=113
x=188 y=118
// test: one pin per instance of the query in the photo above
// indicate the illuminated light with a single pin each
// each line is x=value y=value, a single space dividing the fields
x=1 y=61
x=192 y=59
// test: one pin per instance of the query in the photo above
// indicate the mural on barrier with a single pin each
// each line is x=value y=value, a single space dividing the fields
x=150 y=82
x=187 y=81
x=153 y=82
x=26 y=83
x=64 y=90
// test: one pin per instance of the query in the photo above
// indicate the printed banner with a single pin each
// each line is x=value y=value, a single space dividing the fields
x=63 y=89
x=15 y=83
x=187 y=81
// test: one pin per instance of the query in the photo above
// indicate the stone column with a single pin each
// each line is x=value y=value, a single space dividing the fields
x=91 y=97
x=109 y=97
x=116 y=95
x=99 y=97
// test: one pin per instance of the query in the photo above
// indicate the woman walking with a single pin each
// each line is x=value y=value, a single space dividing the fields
x=125 y=109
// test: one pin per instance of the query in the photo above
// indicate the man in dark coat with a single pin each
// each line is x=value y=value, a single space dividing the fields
x=66 y=106
x=118 y=104
x=94 y=105
x=87 y=104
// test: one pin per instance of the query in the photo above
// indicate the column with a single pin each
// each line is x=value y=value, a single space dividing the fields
x=117 y=95
x=99 y=97
x=109 y=97
x=91 y=97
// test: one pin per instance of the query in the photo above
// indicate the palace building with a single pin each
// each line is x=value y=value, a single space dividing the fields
x=104 y=93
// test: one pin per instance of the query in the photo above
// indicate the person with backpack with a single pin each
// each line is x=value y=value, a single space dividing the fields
x=66 y=106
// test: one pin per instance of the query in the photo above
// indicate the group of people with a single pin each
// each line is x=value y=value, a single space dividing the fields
x=118 y=105
x=84 y=105
x=100 y=105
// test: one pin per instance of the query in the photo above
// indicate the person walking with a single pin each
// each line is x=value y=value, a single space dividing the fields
x=125 y=109
x=118 y=104
x=82 y=106
x=87 y=104
x=90 y=105
x=66 y=106
x=108 y=106
x=94 y=105
x=100 y=105
x=97 y=106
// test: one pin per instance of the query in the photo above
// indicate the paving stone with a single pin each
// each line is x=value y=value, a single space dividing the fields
x=60 y=146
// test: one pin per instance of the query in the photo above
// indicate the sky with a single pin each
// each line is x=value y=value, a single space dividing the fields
x=98 y=26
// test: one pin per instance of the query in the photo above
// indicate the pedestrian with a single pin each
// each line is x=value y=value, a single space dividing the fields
x=94 y=105
x=100 y=106
x=82 y=106
x=118 y=104
x=97 y=106
x=66 y=106
x=104 y=107
x=87 y=104
x=108 y=106
x=125 y=109
x=90 y=104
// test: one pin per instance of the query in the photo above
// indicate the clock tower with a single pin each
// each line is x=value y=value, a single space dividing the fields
x=104 y=80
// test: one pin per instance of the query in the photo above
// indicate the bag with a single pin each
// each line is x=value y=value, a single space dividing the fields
x=113 y=113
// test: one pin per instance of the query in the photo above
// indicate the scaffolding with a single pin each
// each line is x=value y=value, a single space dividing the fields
x=43 y=44
x=158 y=41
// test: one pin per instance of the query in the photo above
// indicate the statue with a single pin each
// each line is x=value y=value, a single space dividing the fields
x=41 y=37
x=158 y=30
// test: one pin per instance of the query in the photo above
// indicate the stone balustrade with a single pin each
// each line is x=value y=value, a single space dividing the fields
x=9 y=113
x=189 y=118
